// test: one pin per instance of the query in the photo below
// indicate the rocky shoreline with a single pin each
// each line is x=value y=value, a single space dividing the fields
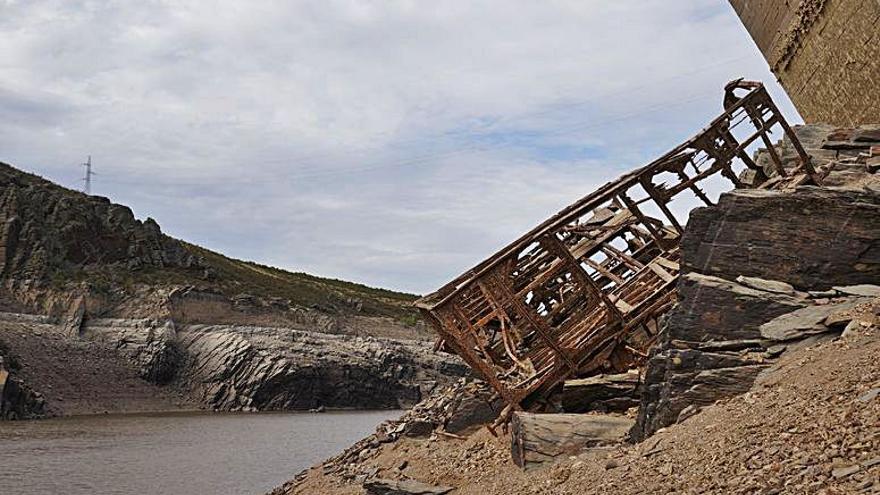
x=124 y=365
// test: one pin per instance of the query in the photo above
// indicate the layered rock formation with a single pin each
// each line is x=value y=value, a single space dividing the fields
x=257 y=368
x=245 y=368
x=763 y=271
x=812 y=238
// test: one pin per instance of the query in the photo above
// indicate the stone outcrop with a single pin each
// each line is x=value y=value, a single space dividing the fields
x=17 y=399
x=813 y=238
x=256 y=368
x=714 y=309
x=47 y=228
x=246 y=368
x=150 y=345
x=722 y=335
x=764 y=271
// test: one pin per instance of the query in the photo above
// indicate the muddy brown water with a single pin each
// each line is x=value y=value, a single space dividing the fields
x=158 y=454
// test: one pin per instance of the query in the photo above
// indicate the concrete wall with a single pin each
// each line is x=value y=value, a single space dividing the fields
x=826 y=54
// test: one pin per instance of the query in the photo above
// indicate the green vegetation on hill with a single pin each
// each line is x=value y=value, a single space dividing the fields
x=329 y=295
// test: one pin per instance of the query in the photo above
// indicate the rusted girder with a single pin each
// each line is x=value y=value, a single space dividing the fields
x=581 y=293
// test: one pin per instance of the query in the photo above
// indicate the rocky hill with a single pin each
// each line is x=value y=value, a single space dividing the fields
x=56 y=242
x=102 y=312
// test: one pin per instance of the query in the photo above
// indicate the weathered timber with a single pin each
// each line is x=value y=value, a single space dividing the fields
x=571 y=298
x=538 y=439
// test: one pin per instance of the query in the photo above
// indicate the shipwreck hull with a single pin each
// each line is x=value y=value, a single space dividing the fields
x=582 y=292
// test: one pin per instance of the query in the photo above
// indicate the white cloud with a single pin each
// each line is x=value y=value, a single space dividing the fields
x=394 y=143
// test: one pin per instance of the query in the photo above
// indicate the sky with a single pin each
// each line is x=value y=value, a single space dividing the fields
x=392 y=143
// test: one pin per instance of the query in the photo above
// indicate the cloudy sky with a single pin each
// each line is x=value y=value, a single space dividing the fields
x=394 y=143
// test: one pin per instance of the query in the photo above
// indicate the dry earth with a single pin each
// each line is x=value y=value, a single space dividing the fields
x=811 y=425
x=82 y=377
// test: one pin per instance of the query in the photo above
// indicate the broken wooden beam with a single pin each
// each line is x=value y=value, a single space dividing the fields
x=540 y=439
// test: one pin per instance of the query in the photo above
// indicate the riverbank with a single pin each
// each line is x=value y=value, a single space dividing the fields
x=809 y=426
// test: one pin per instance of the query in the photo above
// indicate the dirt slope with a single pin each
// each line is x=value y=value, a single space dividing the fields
x=81 y=377
x=811 y=425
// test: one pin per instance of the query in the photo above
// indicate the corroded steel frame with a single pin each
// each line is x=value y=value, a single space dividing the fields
x=581 y=293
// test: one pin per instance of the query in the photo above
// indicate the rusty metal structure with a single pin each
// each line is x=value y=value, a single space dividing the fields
x=582 y=292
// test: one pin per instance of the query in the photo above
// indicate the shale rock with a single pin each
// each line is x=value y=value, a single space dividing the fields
x=759 y=233
x=714 y=309
x=806 y=322
x=260 y=368
x=150 y=345
x=403 y=487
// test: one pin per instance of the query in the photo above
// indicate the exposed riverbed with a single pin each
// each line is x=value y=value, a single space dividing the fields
x=160 y=454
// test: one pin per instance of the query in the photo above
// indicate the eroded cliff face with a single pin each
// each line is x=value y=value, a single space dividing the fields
x=247 y=368
x=254 y=368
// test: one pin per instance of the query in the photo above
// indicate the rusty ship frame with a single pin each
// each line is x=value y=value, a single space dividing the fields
x=582 y=292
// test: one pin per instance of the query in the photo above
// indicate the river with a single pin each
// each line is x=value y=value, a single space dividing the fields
x=163 y=454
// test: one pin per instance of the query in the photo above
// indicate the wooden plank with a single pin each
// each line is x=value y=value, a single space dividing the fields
x=541 y=439
x=666 y=276
x=538 y=325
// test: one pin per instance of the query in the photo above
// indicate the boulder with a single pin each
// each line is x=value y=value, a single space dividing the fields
x=476 y=405
x=760 y=233
x=805 y=322
x=714 y=309
x=540 y=439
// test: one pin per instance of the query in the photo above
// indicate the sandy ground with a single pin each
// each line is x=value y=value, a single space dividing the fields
x=80 y=377
x=811 y=425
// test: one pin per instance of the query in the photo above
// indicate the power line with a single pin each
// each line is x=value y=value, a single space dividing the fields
x=87 y=188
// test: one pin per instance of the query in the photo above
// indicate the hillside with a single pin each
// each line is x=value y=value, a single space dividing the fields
x=59 y=239
x=102 y=312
